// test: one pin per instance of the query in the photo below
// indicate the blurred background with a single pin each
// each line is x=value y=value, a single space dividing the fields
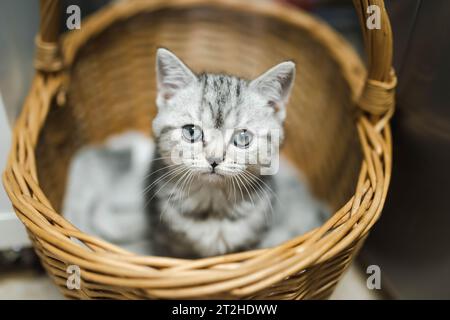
x=410 y=243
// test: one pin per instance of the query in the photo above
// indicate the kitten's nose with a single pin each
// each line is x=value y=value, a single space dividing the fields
x=214 y=161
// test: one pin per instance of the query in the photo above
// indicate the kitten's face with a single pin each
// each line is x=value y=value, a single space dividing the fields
x=217 y=125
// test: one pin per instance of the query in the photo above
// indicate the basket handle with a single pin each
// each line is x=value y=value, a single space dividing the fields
x=47 y=57
x=378 y=95
x=376 y=98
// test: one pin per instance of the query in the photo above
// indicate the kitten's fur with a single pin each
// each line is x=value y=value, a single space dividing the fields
x=197 y=211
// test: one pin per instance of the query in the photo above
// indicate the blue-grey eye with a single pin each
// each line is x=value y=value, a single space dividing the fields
x=192 y=133
x=242 y=138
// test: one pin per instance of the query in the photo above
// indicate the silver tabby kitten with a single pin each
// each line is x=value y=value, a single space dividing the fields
x=206 y=196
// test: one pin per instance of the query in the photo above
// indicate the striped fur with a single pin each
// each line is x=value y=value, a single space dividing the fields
x=197 y=210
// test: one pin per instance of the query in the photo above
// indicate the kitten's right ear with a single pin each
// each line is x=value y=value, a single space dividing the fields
x=171 y=74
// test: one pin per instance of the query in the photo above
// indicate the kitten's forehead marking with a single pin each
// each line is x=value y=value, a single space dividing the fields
x=221 y=95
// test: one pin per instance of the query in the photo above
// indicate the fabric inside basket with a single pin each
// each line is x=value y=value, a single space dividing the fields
x=104 y=195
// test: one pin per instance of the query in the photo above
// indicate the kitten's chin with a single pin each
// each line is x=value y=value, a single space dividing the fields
x=213 y=177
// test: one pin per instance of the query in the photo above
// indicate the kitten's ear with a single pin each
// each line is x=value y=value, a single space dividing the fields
x=276 y=84
x=171 y=73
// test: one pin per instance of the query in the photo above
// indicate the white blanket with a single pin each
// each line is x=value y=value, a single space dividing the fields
x=104 y=196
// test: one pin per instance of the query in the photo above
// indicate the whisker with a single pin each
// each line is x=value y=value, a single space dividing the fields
x=245 y=187
x=194 y=175
x=264 y=198
x=240 y=189
x=189 y=182
x=234 y=190
x=186 y=173
x=165 y=175
x=173 y=176
x=163 y=168
x=264 y=183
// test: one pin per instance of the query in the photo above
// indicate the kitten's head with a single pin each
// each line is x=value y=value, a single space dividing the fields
x=218 y=125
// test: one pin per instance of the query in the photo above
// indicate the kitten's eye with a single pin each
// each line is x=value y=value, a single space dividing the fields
x=192 y=133
x=242 y=138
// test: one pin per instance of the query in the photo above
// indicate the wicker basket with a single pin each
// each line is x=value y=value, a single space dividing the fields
x=99 y=80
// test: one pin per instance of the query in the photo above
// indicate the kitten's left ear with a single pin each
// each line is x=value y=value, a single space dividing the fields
x=172 y=74
x=276 y=84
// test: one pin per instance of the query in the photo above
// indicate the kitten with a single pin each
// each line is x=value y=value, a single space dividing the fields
x=205 y=194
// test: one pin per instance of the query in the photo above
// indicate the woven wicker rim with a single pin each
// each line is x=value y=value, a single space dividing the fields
x=238 y=275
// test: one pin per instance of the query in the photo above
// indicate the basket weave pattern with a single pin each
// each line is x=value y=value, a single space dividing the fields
x=65 y=109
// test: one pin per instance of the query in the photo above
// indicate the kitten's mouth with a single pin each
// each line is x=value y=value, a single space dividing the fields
x=213 y=176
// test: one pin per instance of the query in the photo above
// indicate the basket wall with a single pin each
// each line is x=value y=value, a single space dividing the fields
x=112 y=88
x=107 y=86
